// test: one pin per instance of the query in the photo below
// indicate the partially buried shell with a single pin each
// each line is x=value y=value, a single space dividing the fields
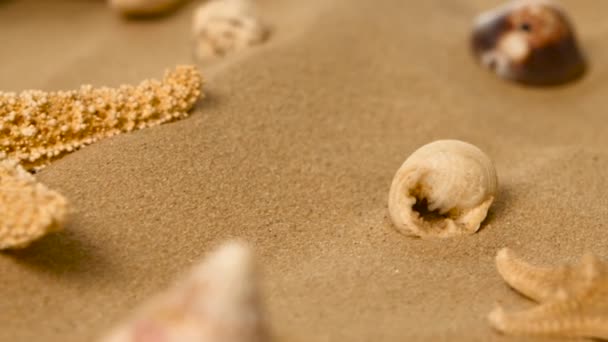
x=529 y=41
x=443 y=189
x=143 y=7
x=220 y=27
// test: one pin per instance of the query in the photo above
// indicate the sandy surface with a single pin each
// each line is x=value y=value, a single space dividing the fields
x=294 y=151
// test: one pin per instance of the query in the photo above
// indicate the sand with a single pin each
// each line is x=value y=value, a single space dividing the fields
x=294 y=151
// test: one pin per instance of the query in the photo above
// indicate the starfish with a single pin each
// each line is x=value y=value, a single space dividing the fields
x=573 y=299
x=217 y=302
x=39 y=127
x=28 y=209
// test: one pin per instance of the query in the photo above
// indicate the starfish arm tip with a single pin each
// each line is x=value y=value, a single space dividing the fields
x=497 y=319
x=504 y=254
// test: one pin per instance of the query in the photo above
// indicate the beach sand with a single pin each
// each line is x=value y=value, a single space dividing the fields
x=294 y=151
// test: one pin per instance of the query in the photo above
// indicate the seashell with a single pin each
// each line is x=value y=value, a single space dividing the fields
x=143 y=7
x=223 y=26
x=217 y=302
x=529 y=41
x=29 y=210
x=443 y=189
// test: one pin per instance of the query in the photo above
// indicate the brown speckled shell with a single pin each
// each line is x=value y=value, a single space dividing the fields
x=552 y=54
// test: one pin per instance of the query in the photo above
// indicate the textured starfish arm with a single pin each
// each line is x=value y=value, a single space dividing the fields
x=28 y=210
x=37 y=127
x=561 y=319
x=537 y=283
x=574 y=299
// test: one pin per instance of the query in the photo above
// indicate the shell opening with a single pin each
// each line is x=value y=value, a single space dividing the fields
x=421 y=207
x=430 y=218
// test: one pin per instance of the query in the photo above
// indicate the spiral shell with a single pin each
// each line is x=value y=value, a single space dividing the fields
x=221 y=27
x=528 y=41
x=443 y=189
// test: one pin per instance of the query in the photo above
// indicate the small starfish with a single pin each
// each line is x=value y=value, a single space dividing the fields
x=28 y=209
x=217 y=302
x=573 y=299
x=37 y=127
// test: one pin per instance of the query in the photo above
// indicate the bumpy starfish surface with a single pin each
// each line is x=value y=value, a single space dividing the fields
x=28 y=210
x=37 y=127
x=217 y=302
x=573 y=299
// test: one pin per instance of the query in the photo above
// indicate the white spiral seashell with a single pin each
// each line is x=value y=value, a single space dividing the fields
x=443 y=189
x=220 y=27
